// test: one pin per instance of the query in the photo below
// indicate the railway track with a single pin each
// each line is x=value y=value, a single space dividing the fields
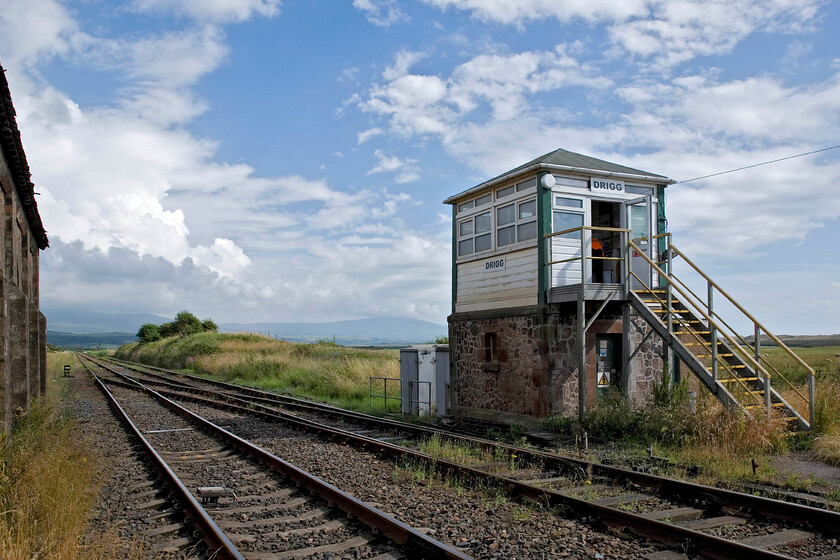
x=250 y=504
x=694 y=519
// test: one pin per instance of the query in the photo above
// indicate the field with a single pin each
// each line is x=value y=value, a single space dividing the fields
x=826 y=363
x=322 y=370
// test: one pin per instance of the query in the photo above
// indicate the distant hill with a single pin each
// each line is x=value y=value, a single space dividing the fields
x=380 y=330
x=72 y=321
x=802 y=341
x=96 y=327
x=89 y=341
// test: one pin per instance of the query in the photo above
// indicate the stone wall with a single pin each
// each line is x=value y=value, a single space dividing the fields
x=500 y=364
x=646 y=367
x=523 y=362
x=22 y=326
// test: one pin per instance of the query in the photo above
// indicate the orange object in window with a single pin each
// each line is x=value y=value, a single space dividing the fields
x=596 y=245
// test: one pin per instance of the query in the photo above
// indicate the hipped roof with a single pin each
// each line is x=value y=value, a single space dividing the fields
x=563 y=160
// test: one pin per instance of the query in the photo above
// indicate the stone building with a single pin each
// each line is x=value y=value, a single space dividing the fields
x=22 y=326
x=522 y=293
x=563 y=289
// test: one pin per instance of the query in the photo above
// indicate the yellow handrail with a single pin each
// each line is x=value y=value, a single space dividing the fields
x=670 y=280
x=773 y=337
x=738 y=348
x=745 y=356
x=703 y=343
x=586 y=228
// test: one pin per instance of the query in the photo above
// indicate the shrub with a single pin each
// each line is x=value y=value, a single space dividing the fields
x=149 y=332
x=186 y=323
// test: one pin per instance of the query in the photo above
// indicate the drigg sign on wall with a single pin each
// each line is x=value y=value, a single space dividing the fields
x=494 y=264
x=606 y=186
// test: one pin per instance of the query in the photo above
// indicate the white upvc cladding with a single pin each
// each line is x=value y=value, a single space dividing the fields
x=482 y=287
x=501 y=223
x=497 y=226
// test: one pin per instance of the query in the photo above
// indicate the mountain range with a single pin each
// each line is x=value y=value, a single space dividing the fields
x=103 y=328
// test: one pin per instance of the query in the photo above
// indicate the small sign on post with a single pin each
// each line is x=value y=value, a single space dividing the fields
x=67 y=368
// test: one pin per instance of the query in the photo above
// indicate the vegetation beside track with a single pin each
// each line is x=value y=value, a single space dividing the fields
x=49 y=484
x=722 y=443
x=322 y=370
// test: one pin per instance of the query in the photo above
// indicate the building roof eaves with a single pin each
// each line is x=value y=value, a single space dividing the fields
x=540 y=166
x=12 y=148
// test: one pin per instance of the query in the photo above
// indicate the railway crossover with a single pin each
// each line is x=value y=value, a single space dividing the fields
x=691 y=519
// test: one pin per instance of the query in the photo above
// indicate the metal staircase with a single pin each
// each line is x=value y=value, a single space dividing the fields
x=723 y=360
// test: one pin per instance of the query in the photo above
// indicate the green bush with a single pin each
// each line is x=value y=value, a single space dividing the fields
x=149 y=332
x=185 y=324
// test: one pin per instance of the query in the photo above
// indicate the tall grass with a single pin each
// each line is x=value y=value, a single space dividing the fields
x=721 y=440
x=718 y=439
x=320 y=370
x=826 y=363
x=48 y=485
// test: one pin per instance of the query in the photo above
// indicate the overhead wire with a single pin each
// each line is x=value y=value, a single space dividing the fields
x=758 y=164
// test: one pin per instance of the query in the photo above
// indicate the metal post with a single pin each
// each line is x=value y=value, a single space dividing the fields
x=712 y=331
x=670 y=314
x=628 y=286
x=768 y=401
x=812 y=416
x=581 y=309
x=583 y=261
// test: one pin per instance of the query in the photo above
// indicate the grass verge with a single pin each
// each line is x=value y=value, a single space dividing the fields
x=322 y=370
x=49 y=485
x=722 y=442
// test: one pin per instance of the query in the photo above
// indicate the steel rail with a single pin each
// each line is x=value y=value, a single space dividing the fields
x=416 y=544
x=666 y=533
x=218 y=543
x=768 y=507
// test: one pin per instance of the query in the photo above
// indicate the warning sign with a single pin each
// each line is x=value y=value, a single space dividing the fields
x=603 y=379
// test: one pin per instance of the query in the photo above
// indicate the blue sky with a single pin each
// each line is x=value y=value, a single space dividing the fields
x=259 y=160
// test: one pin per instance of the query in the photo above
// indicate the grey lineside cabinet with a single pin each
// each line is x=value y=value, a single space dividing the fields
x=424 y=375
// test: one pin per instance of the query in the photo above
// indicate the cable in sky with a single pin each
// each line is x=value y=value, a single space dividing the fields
x=758 y=164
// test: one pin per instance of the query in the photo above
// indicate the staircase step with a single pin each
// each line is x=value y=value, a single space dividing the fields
x=716 y=360
x=754 y=406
